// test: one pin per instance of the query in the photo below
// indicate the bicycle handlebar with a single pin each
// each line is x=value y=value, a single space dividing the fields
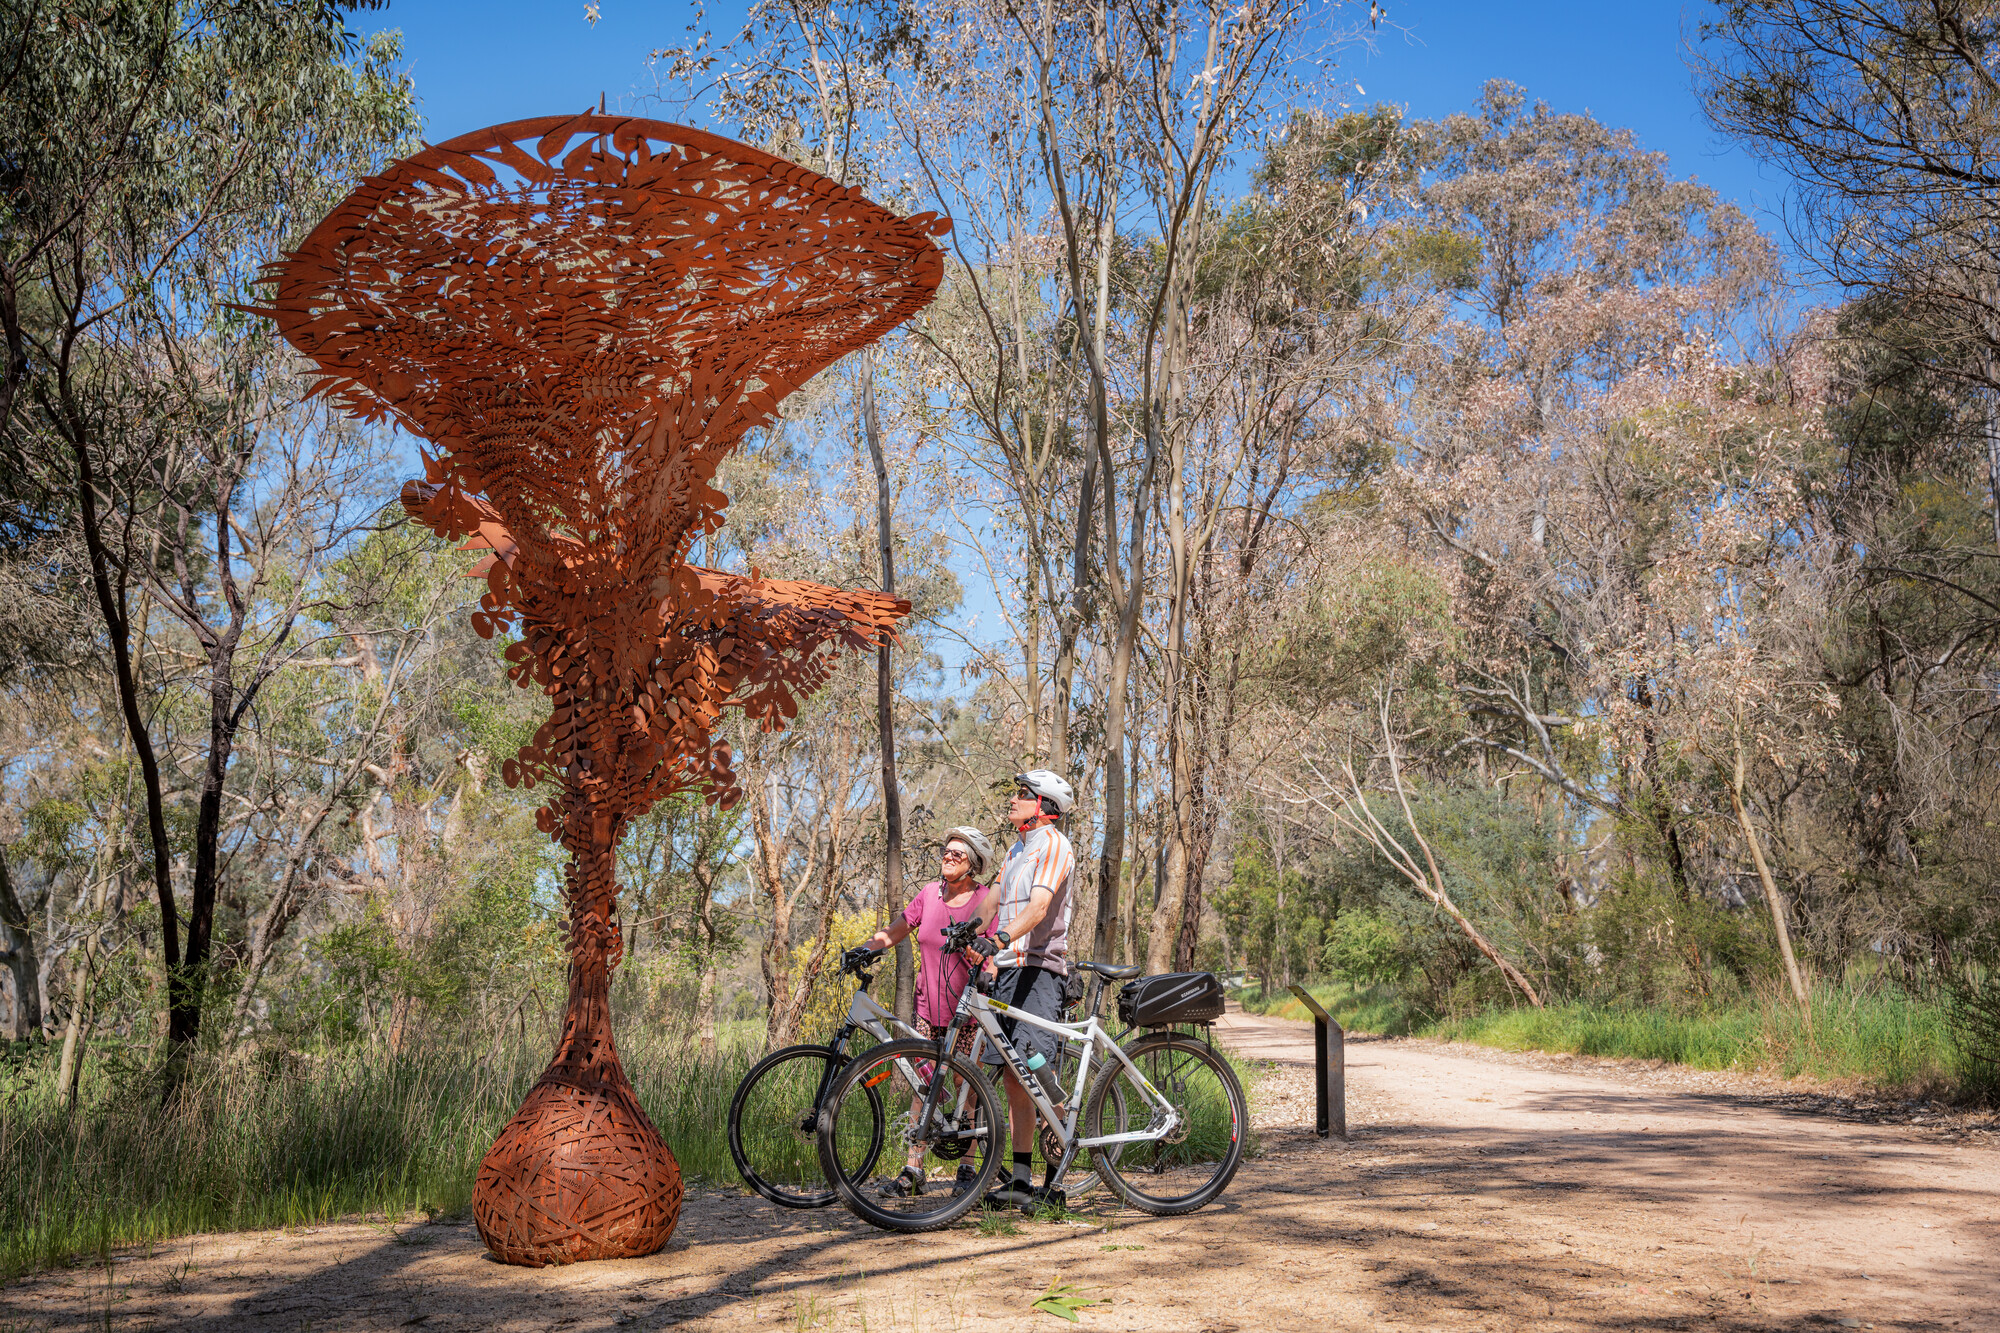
x=857 y=958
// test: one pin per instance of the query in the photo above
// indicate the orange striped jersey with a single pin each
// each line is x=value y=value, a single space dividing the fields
x=1042 y=859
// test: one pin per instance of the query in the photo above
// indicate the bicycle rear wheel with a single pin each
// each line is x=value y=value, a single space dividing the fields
x=958 y=1148
x=774 y=1125
x=1193 y=1164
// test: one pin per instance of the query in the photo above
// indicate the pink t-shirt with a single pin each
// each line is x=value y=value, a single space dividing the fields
x=940 y=980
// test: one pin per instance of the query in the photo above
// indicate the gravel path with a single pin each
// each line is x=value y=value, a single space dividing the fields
x=1480 y=1191
x=1841 y=1203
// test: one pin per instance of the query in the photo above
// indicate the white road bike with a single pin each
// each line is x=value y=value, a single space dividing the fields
x=1180 y=1158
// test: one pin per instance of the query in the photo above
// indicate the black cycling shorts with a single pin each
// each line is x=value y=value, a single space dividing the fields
x=1033 y=990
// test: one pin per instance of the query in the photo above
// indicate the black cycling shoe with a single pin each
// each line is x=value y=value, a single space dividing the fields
x=1013 y=1194
x=907 y=1182
x=1047 y=1197
x=965 y=1179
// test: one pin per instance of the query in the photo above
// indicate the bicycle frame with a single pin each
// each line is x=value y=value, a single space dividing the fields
x=863 y=1015
x=981 y=1009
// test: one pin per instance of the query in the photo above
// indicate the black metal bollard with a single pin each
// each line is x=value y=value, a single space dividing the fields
x=1329 y=1067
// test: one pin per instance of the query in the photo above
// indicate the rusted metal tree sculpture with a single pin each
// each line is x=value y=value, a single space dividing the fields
x=582 y=315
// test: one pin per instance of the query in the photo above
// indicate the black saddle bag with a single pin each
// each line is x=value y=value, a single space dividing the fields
x=1170 y=999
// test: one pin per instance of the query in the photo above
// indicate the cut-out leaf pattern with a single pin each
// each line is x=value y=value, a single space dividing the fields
x=583 y=315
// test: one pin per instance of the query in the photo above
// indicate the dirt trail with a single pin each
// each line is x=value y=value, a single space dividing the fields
x=1480 y=1191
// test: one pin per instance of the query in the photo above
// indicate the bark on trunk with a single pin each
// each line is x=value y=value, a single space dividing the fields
x=118 y=632
x=22 y=964
x=885 y=697
x=1772 y=897
x=776 y=959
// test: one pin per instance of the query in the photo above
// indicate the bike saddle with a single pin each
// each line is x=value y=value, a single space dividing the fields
x=1110 y=973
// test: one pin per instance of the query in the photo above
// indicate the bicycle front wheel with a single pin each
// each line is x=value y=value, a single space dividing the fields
x=932 y=1168
x=1194 y=1163
x=774 y=1124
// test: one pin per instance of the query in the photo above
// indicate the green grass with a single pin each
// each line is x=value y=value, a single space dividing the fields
x=323 y=1137
x=1881 y=1039
x=1884 y=1040
x=311 y=1138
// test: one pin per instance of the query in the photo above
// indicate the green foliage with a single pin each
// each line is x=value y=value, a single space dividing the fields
x=1650 y=945
x=1063 y=1300
x=1378 y=1009
x=1356 y=626
x=1885 y=1039
x=1881 y=1038
x=1366 y=947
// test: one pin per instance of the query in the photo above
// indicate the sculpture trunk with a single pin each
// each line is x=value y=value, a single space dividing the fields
x=580 y=1172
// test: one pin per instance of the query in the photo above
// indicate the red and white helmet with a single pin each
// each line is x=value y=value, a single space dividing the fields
x=1050 y=787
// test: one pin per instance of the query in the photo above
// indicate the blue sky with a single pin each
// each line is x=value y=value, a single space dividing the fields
x=481 y=63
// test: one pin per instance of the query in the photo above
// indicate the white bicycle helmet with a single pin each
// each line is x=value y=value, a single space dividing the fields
x=1050 y=787
x=976 y=843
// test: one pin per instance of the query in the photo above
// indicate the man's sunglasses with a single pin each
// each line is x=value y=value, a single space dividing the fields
x=955 y=855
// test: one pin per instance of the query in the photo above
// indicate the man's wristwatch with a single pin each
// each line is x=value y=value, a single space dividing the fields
x=1004 y=938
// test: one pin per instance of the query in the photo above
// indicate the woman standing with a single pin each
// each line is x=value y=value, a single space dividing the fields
x=957 y=895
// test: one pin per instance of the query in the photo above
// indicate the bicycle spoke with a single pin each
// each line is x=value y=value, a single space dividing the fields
x=773 y=1124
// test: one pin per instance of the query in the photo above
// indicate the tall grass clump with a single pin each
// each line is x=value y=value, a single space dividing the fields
x=1885 y=1039
x=299 y=1139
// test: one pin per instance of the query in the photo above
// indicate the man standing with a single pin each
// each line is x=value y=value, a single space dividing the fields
x=1035 y=884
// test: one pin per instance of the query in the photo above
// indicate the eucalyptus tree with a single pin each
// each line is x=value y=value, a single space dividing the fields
x=1886 y=117
x=158 y=154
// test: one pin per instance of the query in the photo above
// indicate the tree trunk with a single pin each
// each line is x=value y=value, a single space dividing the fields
x=1771 y=895
x=1991 y=418
x=885 y=698
x=21 y=961
x=767 y=865
x=787 y=1010
x=76 y=1032
x=1111 y=860
x=118 y=632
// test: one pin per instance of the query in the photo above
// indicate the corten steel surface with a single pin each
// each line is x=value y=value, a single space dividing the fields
x=583 y=314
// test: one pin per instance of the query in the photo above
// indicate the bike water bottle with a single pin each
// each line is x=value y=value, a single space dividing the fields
x=1045 y=1075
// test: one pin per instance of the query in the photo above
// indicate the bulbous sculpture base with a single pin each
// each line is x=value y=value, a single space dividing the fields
x=579 y=1173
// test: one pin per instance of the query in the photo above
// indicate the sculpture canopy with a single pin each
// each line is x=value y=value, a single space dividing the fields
x=561 y=303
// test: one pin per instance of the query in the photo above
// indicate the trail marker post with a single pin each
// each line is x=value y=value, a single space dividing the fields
x=1329 y=1068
